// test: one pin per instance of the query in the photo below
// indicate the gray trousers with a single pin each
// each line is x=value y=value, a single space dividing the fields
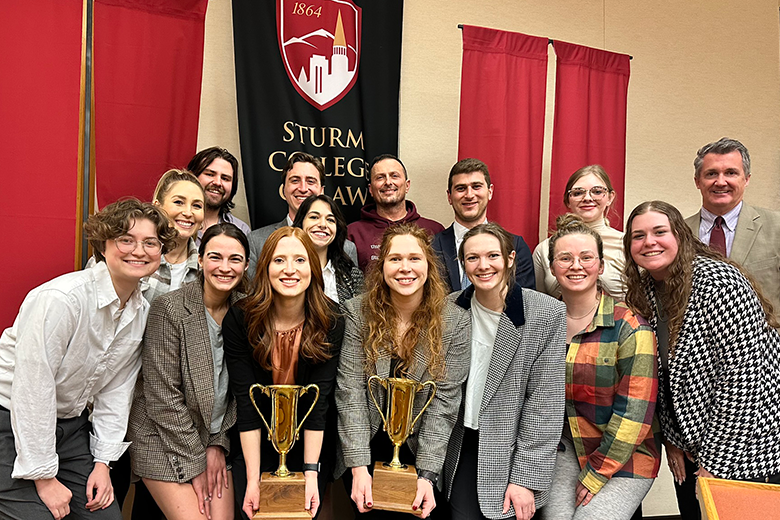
x=617 y=500
x=19 y=499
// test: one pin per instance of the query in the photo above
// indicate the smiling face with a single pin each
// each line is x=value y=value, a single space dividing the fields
x=469 y=197
x=127 y=269
x=184 y=206
x=388 y=184
x=301 y=181
x=653 y=245
x=722 y=182
x=581 y=251
x=320 y=224
x=223 y=262
x=290 y=270
x=484 y=262
x=405 y=268
x=217 y=180
x=588 y=208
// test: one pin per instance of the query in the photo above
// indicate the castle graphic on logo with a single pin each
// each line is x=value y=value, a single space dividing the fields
x=320 y=47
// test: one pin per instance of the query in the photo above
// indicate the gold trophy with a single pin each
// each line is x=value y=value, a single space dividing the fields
x=395 y=484
x=282 y=493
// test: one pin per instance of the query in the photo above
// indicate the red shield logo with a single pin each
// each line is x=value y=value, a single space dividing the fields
x=320 y=46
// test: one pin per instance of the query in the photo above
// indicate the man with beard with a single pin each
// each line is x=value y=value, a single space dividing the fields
x=216 y=169
x=388 y=185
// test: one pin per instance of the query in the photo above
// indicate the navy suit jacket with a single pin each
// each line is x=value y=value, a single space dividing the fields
x=444 y=245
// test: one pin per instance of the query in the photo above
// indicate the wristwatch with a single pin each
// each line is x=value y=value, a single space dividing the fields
x=312 y=466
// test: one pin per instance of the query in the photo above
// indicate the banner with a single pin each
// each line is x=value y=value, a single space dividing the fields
x=591 y=95
x=503 y=87
x=148 y=67
x=320 y=77
x=39 y=108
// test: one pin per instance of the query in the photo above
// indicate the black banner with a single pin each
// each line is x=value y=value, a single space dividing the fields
x=320 y=77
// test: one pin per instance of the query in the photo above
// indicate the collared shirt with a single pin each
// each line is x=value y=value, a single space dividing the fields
x=70 y=343
x=611 y=386
x=729 y=227
x=161 y=282
x=484 y=327
x=232 y=219
x=329 y=278
x=460 y=231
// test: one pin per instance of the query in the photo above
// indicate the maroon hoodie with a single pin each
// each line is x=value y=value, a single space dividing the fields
x=367 y=232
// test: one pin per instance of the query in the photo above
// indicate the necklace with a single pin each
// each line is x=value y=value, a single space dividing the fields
x=589 y=313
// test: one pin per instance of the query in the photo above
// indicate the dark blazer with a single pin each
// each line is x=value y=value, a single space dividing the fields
x=258 y=237
x=522 y=408
x=444 y=245
x=174 y=395
x=359 y=419
x=756 y=247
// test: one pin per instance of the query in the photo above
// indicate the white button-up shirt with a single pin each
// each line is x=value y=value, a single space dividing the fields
x=70 y=343
x=707 y=224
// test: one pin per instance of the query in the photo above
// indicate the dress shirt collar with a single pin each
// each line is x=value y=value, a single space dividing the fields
x=731 y=218
x=106 y=294
x=460 y=231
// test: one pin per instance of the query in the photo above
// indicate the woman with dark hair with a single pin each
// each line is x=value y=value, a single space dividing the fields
x=609 y=454
x=588 y=195
x=403 y=326
x=718 y=398
x=320 y=217
x=501 y=454
x=285 y=332
x=183 y=409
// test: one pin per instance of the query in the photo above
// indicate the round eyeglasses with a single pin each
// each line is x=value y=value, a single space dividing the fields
x=566 y=260
x=596 y=193
x=127 y=244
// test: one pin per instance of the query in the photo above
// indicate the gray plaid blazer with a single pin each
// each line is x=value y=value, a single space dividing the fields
x=359 y=419
x=522 y=411
x=174 y=395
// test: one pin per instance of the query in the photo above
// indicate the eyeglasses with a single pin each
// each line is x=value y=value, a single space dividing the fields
x=566 y=260
x=126 y=244
x=596 y=193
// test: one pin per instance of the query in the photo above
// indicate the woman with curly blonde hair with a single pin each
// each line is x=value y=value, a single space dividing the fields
x=718 y=348
x=402 y=327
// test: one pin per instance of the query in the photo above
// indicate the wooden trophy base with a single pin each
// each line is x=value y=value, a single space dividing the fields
x=282 y=498
x=394 y=489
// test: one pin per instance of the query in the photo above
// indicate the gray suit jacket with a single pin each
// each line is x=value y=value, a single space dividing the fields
x=174 y=396
x=359 y=419
x=756 y=247
x=522 y=410
x=258 y=237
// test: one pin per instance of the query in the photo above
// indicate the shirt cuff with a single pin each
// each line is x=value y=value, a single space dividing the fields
x=106 y=451
x=23 y=470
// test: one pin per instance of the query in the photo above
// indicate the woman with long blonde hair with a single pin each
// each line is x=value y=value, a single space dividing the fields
x=403 y=326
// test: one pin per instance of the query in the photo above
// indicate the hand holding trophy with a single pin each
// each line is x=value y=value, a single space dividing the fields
x=395 y=484
x=282 y=492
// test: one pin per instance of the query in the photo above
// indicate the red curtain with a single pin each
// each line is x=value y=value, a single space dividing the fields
x=502 y=99
x=39 y=110
x=590 y=120
x=148 y=67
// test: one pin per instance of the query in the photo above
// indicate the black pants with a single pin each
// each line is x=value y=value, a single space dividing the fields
x=464 y=502
x=19 y=498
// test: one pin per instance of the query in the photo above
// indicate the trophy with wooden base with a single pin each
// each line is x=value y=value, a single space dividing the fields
x=283 y=493
x=395 y=484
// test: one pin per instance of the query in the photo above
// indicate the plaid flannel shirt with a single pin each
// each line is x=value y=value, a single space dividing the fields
x=611 y=389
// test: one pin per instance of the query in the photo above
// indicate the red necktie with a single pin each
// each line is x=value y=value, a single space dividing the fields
x=718 y=237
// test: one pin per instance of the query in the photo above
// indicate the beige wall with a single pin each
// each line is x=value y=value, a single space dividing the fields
x=701 y=70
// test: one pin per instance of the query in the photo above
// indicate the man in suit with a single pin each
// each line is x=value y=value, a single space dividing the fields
x=388 y=184
x=468 y=191
x=750 y=235
x=303 y=176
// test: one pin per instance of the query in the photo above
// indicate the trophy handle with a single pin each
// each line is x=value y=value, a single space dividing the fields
x=263 y=390
x=381 y=383
x=427 y=404
x=305 y=390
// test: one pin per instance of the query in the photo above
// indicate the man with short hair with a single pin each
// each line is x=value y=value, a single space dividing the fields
x=388 y=184
x=468 y=191
x=217 y=171
x=303 y=176
x=746 y=234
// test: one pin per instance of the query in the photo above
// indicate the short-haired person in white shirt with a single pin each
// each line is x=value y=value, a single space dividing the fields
x=77 y=340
